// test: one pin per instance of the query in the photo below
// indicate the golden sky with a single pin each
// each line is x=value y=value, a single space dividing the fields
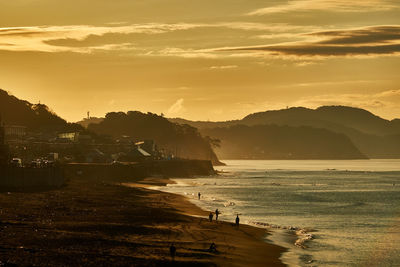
x=201 y=60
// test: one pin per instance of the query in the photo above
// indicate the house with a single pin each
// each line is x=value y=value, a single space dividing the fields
x=75 y=137
x=143 y=150
x=71 y=137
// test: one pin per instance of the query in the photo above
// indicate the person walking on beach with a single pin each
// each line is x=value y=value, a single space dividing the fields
x=210 y=217
x=237 y=220
x=216 y=214
x=172 y=251
x=199 y=195
x=213 y=248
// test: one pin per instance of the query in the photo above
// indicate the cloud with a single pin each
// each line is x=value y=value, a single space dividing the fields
x=226 y=67
x=71 y=38
x=39 y=38
x=381 y=40
x=367 y=41
x=177 y=107
x=327 y=5
x=306 y=42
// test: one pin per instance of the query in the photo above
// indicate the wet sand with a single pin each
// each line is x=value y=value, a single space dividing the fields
x=103 y=224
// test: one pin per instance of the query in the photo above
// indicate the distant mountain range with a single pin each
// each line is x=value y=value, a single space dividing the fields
x=328 y=132
x=357 y=132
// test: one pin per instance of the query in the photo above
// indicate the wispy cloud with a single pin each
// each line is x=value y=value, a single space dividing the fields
x=367 y=41
x=314 y=43
x=177 y=107
x=327 y=5
x=39 y=38
x=75 y=38
x=47 y=38
x=225 y=67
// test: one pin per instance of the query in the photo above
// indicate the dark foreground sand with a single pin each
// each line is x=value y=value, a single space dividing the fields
x=102 y=224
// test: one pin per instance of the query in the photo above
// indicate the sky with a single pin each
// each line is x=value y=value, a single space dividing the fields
x=201 y=60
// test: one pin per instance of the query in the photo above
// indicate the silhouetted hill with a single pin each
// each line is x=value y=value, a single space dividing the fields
x=373 y=136
x=36 y=117
x=356 y=118
x=182 y=140
x=282 y=142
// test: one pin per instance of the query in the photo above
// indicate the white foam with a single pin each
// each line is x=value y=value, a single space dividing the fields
x=302 y=233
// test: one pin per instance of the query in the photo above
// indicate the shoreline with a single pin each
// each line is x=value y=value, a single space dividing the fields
x=244 y=256
x=103 y=223
x=288 y=237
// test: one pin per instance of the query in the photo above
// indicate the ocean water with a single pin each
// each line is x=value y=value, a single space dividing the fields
x=327 y=213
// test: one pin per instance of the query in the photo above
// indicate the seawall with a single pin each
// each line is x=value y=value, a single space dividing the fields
x=136 y=170
x=14 y=177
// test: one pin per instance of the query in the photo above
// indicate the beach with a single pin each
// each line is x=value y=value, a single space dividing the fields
x=96 y=223
x=326 y=213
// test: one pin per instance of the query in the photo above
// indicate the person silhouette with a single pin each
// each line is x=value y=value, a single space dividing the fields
x=213 y=248
x=172 y=251
x=210 y=216
x=216 y=214
x=237 y=220
x=199 y=195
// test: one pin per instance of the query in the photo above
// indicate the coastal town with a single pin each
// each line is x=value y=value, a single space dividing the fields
x=48 y=159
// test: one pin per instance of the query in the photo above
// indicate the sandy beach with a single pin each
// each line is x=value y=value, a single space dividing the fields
x=107 y=224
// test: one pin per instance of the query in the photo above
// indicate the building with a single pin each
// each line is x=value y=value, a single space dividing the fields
x=2 y=134
x=4 y=152
x=14 y=132
x=147 y=145
x=71 y=137
x=75 y=137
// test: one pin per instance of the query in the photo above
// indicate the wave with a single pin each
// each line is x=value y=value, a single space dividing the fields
x=303 y=234
x=229 y=203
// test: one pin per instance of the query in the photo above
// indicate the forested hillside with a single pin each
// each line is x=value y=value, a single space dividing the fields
x=183 y=141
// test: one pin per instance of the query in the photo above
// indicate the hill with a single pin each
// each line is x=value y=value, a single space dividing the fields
x=282 y=142
x=355 y=118
x=183 y=141
x=36 y=117
x=375 y=137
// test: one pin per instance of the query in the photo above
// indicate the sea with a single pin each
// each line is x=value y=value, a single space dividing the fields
x=325 y=212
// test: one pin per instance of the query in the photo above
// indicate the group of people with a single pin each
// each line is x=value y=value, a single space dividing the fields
x=213 y=248
x=211 y=215
x=217 y=213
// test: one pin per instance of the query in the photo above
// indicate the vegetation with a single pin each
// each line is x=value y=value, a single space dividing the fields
x=36 y=117
x=282 y=142
x=375 y=137
x=183 y=141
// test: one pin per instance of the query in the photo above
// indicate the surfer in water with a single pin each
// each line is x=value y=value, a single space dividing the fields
x=237 y=220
